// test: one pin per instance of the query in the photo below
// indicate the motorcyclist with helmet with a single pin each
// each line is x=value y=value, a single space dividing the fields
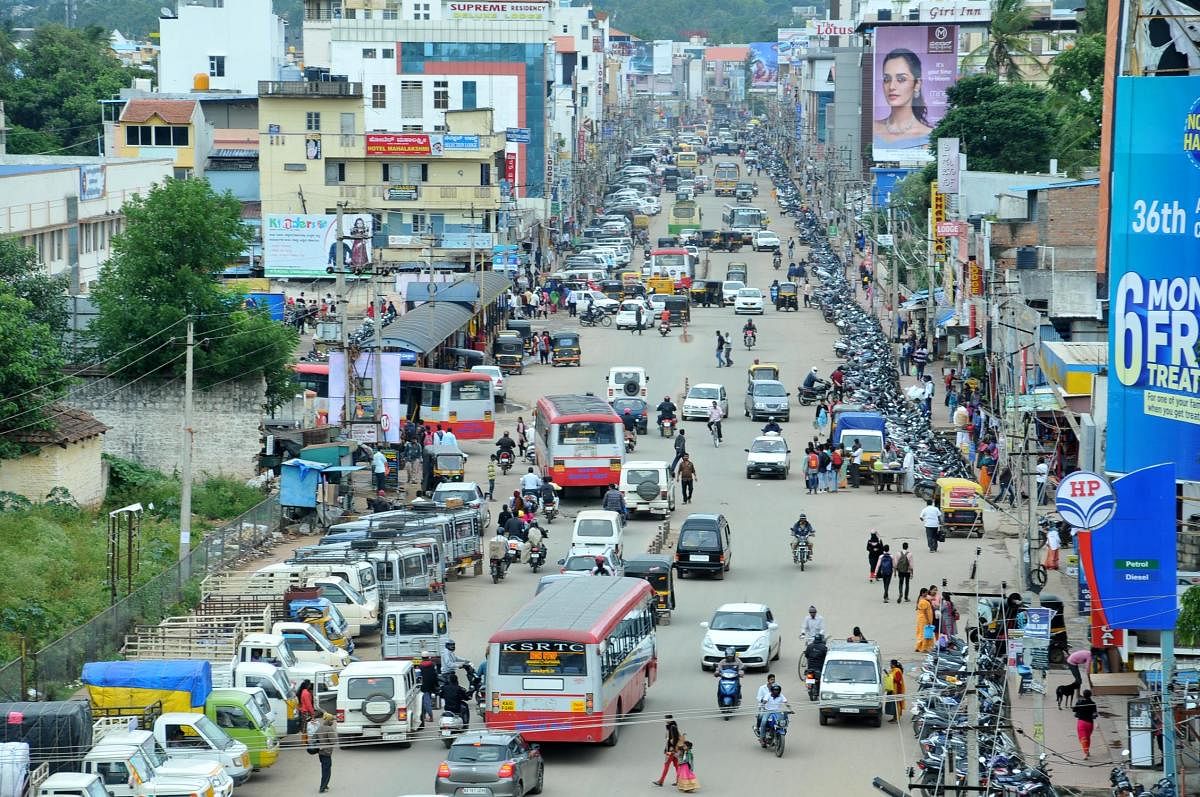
x=814 y=658
x=666 y=409
x=749 y=329
x=776 y=704
x=772 y=427
x=731 y=662
x=601 y=568
x=803 y=531
x=811 y=379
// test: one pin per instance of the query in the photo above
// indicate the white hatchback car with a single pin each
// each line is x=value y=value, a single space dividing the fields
x=658 y=303
x=497 y=377
x=768 y=455
x=627 y=315
x=729 y=291
x=764 y=240
x=749 y=628
x=651 y=206
x=699 y=399
x=748 y=300
x=598 y=299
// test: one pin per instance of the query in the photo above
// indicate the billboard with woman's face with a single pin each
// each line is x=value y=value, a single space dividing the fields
x=914 y=66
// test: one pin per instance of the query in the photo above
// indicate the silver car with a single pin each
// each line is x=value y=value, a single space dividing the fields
x=487 y=764
x=767 y=398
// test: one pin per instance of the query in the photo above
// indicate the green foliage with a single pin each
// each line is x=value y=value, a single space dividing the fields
x=1007 y=42
x=1187 y=626
x=720 y=20
x=51 y=87
x=26 y=278
x=1003 y=127
x=134 y=18
x=164 y=267
x=1076 y=95
x=1095 y=17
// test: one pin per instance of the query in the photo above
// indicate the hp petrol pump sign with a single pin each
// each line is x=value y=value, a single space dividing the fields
x=1085 y=500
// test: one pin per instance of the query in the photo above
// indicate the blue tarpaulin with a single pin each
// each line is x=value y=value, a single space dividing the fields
x=193 y=677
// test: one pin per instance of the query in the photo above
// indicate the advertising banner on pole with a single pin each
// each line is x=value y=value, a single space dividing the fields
x=764 y=66
x=296 y=245
x=641 y=61
x=947 y=164
x=914 y=66
x=1129 y=560
x=1154 y=296
x=793 y=43
x=662 y=57
x=365 y=392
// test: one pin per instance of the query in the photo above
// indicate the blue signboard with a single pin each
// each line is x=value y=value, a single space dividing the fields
x=454 y=141
x=1154 y=299
x=1035 y=622
x=516 y=135
x=885 y=184
x=1130 y=561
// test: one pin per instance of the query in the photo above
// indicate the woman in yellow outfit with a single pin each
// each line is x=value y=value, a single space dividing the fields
x=924 y=618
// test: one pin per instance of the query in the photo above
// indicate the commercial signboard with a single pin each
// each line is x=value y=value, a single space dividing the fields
x=793 y=43
x=305 y=245
x=1034 y=622
x=662 y=57
x=947 y=164
x=1154 y=299
x=830 y=27
x=1129 y=561
x=458 y=141
x=764 y=66
x=966 y=11
x=499 y=12
x=510 y=167
x=404 y=145
x=516 y=135
x=403 y=193
x=641 y=59
x=91 y=181
x=913 y=68
x=364 y=401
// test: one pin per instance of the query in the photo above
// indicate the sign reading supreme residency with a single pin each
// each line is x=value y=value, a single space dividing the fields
x=404 y=145
x=532 y=12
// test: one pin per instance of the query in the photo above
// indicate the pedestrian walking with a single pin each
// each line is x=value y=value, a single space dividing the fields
x=883 y=571
x=925 y=628
x=522 y=439
x=821 y=420
x=894 y=681
x=856 y=459
x=544 y=347
x=685 y=769
x=430 y=684
x=906 y=351
x=637 y=320
x=1085 y=719
x=728 y=349
x=412 y=459
x=680 y=449
x=572 y=304
x=908 y=469
x=307 y=703
x=686 y=474
x=948 y=616
x=920 y=358
x=812 y=464
x=874 y=550
x=720 y=349
x=321 y=737
x=1005 y=480
x=1053 y=543
x=824 y=469
x=1043 y=473
x=837 y=460
x=379 y=468
x=931 y=520
x=904 y=573
x=491 y=474
x=671 y=751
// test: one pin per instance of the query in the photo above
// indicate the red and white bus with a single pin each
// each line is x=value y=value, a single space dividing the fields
x=459 y=400
x=574 y=660
x=579 y=440
x=674 y=262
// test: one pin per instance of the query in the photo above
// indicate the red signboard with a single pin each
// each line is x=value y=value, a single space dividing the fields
x=1103 y=636
x=398 y=144
x=949 y=229
x=975 y=277
x=510 y=167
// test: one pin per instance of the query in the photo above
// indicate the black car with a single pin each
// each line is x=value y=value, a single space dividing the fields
x=704 y=545
x=637 y=408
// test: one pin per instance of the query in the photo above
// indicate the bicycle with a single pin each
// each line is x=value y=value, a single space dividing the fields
x=716 y=433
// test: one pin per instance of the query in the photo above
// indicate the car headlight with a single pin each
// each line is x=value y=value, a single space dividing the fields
x=827 y=695
x=761 y=642
x=216 y=783
x=707 y=644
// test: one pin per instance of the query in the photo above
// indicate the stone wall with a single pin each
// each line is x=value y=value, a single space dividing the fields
x=147 y=421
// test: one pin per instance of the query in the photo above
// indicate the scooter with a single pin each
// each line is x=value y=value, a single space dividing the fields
x=550 y=508
x=812 y=681
x=537 y=556
x=666 y=427
x=729 y=691
x=664 y=328
x=630 y=442
x=505 y=459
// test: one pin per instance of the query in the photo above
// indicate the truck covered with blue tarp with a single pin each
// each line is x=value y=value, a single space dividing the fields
x=180 y=685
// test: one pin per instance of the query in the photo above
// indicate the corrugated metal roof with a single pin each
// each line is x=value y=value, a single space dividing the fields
x=12 y=169
x=1060 y=184
x=1093 y=354
x=425 y=327
x=234 y=153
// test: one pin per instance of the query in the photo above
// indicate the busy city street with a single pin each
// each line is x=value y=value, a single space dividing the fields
x=841 y=756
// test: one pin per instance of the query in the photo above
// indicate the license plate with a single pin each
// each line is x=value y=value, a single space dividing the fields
x=697 y=558
x=474 y=790
x=849 y=711
x=445 y=734
x=393 y=736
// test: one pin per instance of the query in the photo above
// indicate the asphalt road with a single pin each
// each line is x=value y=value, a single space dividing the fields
x=837 y=759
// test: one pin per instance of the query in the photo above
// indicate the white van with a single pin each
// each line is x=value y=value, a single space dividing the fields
x=412 y=627
x=648 y=486
x=585 y=274
x=627 y=381
x=597 y=528
x=852 y=683
x=378 y=700
x=360 y=575
x=361 y=615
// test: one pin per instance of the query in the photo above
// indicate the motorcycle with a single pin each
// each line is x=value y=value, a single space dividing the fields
x=537 y=556
x=729 y=691
x=595 y=318
x=505 y=459
x=812 y=681
x=777 y=261
x=630 y=442
x=811 y=395
x=749 y=339
x=550 y=508
x=800 y=551
x=666 y=427
x=497 y=570
x=774 y=732
x=664 y=328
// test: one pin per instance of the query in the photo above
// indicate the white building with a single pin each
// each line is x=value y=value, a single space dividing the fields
x=580 y=39
x=68 y=208
x=235 y=43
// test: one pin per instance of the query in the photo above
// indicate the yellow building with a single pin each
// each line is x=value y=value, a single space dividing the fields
x=162 y=128
x=66 y=455
x=440 y=187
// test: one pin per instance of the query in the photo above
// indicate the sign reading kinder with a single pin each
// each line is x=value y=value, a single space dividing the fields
x=1154 y=300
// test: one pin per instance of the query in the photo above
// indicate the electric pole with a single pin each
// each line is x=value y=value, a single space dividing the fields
x=185 y=456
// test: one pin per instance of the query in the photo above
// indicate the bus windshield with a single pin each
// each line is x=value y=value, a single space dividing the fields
x=542 y=657
x=587 y=433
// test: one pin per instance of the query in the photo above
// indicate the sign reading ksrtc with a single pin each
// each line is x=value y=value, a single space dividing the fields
x=1085 y=500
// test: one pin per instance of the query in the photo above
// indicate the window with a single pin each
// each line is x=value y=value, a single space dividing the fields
x=335 y=172
x=468 y=95
x=583 y=62
x=411 y=128
x=388 y=52
x=420 y=10
x=312 y=120
x=470 y=391
x=412 y=98
x=441 y=128
x=179 y=136
x=162 y=136
x=395 y=173
x=583 y=97
x=390 y=13
x=365 y=687
x=347 y=126
x=441 y=95
x=139 y=135
x=485 y=174
x=418 y=172
x=378 y=95
x=542 y=657
x=634 y=627
x=216 y=66
x=419 y=223
x=368 y=52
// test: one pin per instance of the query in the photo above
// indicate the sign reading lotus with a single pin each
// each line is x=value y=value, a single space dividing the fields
x=1085 y=500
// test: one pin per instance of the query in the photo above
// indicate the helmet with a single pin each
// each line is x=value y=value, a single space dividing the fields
x=666 y=398
x=812 y=609
x=776 y=689
x=730 y=652
x=600 y=560
x=814 y=370
x=802 y=516
x=627 y=411
x=449 y=644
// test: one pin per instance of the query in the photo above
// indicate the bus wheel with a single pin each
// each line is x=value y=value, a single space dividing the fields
x=614 y=737
x=641 y=704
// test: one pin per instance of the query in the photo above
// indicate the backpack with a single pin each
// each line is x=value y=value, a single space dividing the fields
x=814 y=461
x=904 y=566
x=884 y=568
x=837 y=458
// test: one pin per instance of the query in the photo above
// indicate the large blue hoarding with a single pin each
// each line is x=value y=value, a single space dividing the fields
x=1154 y=262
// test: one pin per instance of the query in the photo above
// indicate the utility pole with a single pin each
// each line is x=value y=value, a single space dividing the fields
x=973 y=693
x=339 y=273
x=893 y=277
x=377 y=378
x=185 y=457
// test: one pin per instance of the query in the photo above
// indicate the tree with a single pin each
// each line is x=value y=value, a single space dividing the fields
x=1003 y=127
x=1007 y=40
x=30 y=370
x=51 y=87
x=1076 y=94
x=26 y=278
x=164 y=268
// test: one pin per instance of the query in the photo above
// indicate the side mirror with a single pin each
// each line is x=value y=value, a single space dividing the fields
x=704 y=623
x=772 y=626
x=746 y=450
x=562 y=561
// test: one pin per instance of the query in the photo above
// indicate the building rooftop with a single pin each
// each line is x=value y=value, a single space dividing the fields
x=1056 y=184
x=176 y=112
x=564 y=44
x=13 y=165
x=70 y=426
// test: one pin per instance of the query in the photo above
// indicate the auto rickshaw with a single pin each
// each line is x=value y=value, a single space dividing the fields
x=736 y=271
x=508 y=351
x=698 y=291
x=656 y=569
x=613 y=289
x=634 y=290
x=680 y=308
x=524 y=328
x=961 y=503
x=564 y=348
x=449 y=465
x=641 y=222
x=709 y=238
x=660 y=284
x=999 y=615
x=761 y=371
x=788 y=298
x=712 y=294
x=730 y=241
x=668 y=243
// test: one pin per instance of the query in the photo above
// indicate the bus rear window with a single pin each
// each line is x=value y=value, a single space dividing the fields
x=543 y=658
x=590 y=433
x=471 y=391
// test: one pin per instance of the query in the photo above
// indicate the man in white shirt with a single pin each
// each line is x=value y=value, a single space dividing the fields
x=775 y=704
x=764 y=691
x=1043 y=472
x=379 y=469
x=856 y=458
x=931 y=519
x=531 y=483
x=813 y=624
x=446 y=439
x=714 y=419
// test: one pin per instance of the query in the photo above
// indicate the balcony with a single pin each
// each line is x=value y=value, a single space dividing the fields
x=309 y=88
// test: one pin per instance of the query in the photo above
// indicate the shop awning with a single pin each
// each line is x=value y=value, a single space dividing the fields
x=425 y=327
x=920 y=300
x=1070 y=366
x=968 y=345
x=947 y=318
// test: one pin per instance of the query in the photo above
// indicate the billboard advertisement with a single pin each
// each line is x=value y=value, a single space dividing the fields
x=297 y=245
x=499 y=12
x=641 y=60
x=391 y=145
x=364 y=396
x=1130 y=560
x=913 y=68
x=764 y=66
x=793 y=43
x=1154 y=297
x=662 y=57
